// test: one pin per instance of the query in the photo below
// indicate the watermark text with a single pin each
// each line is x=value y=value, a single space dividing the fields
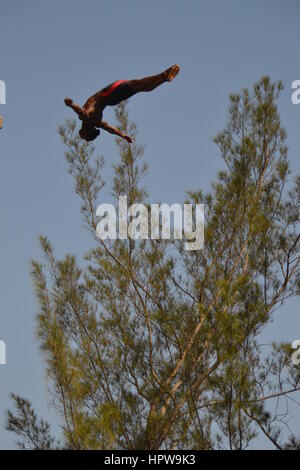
x=2 y=353
x=137 y=223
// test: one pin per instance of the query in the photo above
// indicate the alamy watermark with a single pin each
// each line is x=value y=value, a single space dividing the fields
x=2 y=92
x=296 y=354
x=2 y=353
x=136 y=222
x=2 y=98
x=295 y=97
x=2 y=101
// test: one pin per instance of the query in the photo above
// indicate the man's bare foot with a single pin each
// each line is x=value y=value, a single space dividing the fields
x=68 y=101
x=172 y=72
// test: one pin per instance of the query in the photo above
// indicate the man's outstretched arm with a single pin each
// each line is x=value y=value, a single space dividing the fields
x=113 y=130
x=78 y=109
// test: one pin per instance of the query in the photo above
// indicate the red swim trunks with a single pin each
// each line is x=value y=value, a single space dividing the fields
x=116 y=92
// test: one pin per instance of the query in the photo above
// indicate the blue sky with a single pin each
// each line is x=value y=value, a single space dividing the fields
x=52 y=49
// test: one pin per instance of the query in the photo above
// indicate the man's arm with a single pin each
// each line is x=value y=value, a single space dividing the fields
x=113 y=130
x=78 y=109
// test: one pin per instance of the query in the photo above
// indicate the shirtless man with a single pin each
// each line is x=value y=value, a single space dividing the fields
x=91 y=112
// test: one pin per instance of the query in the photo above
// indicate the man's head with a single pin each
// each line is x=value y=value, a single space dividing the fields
x=88 y=133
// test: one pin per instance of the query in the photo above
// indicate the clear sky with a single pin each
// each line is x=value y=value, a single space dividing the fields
x=52 y=49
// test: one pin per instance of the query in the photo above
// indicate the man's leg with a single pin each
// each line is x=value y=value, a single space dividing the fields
x=150 y=83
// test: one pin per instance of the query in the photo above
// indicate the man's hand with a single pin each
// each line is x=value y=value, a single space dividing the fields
x=68 y=101
x=129 y=139
x=113 y=130
x=78 y=109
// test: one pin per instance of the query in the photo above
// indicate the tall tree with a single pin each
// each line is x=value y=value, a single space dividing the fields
x=150 y=346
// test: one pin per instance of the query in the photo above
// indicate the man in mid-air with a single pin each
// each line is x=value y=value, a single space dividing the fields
x=91 y=112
